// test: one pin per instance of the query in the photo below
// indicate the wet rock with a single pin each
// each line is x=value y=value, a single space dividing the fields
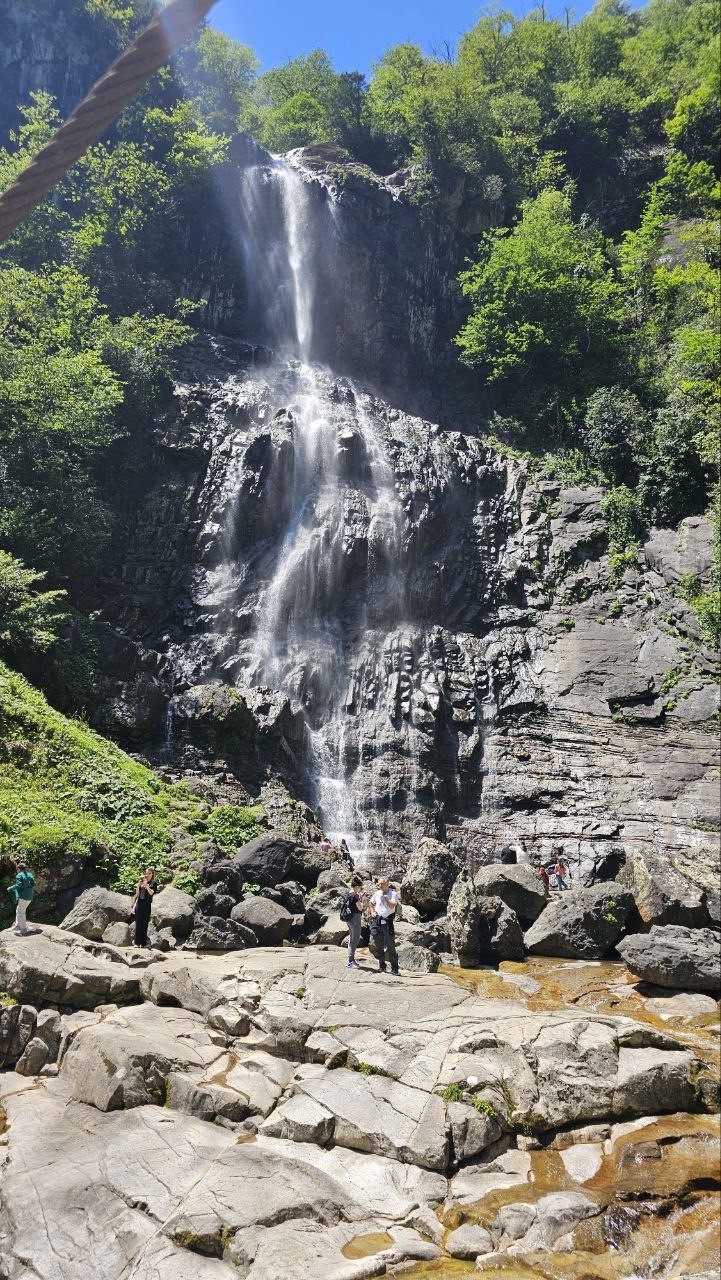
x=672 y=956
x=175 y=910
x=482 y=930
x=468 y=1241
x=430 y=875
x=269 y=922
x=581 y=924
x=94 y=910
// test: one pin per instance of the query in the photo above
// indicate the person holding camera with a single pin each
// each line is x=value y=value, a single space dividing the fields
x=142 y=906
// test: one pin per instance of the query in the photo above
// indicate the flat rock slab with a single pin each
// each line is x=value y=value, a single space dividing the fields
x=53 y=966
x=153 y=1193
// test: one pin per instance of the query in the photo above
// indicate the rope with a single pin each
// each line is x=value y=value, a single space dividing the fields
x=167 y=31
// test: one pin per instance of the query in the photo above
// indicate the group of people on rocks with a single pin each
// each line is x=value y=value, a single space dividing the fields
x=22 y=891
x=381 y=908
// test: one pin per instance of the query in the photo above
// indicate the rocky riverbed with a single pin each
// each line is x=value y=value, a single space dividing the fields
x=270 y=1114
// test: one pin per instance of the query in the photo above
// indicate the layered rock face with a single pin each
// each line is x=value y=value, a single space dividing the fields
x=419 y=633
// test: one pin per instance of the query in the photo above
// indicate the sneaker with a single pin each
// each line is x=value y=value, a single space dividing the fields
x=351 y=965
x=381 y=968
x=395 y=973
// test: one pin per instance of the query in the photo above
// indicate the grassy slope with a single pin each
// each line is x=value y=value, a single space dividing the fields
x=66 y=791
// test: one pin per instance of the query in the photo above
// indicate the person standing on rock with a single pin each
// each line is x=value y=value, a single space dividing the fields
x=545 y=881
x=21 y=891
x=383 y=909
x=352 y=913
x=561 y=872
x=142 y=906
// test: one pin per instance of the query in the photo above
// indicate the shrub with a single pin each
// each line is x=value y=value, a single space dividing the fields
x=232 y=825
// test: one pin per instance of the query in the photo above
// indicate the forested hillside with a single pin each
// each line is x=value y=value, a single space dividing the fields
x=587 y=154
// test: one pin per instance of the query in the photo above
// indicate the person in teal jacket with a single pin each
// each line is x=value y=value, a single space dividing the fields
x=21 y=892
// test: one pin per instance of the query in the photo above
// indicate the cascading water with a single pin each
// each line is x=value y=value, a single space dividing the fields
x=309 y=626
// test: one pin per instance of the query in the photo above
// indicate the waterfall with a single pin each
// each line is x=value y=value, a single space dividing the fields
x=312 y=623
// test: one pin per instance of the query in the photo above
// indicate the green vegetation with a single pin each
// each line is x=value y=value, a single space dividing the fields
x=453 y=1093
x=365 y=1068
x=231 y=825
x=486 y=1108
x=66 y=793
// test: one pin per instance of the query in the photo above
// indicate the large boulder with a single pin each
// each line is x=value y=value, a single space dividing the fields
x=273 y=858
x=673 y=956
x=212 y=933
x=174 y=910
x=662 y=895
x=483 y=930
x=268 y=920
x=94 y=910
x=518 y=886
x=581 y=924
x=432 y=871
x=54 y=967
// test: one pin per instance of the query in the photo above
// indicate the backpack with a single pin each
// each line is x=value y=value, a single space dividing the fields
x=346 y=910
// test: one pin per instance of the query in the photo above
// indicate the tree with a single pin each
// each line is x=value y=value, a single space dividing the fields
x=614 y=432
x=546 y=307
x=30 y=617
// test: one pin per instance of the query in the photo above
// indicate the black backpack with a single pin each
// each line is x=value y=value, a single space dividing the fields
x=346 y=907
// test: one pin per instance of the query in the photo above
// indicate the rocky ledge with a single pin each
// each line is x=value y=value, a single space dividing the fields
x=285 y=1116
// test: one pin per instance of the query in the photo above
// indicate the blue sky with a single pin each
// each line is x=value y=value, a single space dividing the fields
x=354 y=32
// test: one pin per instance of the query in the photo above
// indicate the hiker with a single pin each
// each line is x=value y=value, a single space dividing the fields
x=21 y=892
x=383 y=906
x=545 y=881
x=561 y=872
x=142 y=905
x=325 y=845
x=344 y=850
x=351 y=912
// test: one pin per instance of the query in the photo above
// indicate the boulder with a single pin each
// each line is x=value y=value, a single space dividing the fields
x=289 y=895
x=221 y=874
x=581 y=924
x=663 y=896
x=215 y=934
x=417 y=959
x=64 y=969
x=213 y=901
x=174 y=910
x=468 y=1241
x=431 y=873
x=17 y=1025
x=269 y=922
x=94 y=910
x=320 y=907
x=672 y=956
x=518 y=886
x=483 y=930
x=118 y=934
x=274 y=858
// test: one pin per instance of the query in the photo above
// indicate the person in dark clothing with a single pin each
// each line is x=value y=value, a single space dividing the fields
x=142 y=905
x=383 y=905
x=355 y=920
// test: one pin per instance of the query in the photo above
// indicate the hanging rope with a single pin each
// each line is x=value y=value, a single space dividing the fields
x=150 y=50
